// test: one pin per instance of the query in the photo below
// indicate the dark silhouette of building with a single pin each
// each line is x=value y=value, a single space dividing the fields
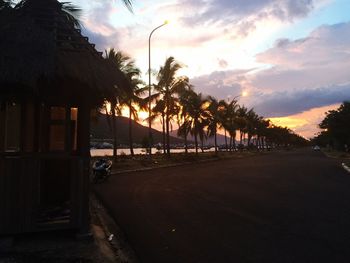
x=50 y=79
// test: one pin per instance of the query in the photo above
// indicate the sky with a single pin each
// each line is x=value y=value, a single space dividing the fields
x=291 y=57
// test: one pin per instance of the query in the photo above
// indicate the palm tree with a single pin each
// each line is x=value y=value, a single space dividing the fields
x=72 y=11
x=169 y=85
x=241 y=122
x=128 y=4
x=185 y=103
x=198 y=115
x=159 y=111
x=223 y=124
x=262 y=127
x=4 y=4
x=133 y=102
x=251 y=124
x=123 y=63
x=128 y=98
x=214 y=119
x=231 y=122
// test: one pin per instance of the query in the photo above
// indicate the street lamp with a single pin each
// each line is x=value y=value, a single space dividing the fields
x=149 y=89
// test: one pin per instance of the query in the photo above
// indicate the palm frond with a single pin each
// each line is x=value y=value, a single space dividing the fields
x=73 y=13
x=5 y=4
x=128 y=4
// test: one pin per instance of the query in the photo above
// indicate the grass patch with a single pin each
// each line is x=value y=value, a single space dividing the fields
x=127 y=162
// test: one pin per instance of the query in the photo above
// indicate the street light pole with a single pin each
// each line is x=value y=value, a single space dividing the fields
x=149 y=89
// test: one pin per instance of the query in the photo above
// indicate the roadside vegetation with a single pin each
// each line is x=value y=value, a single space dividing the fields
x=335 y=127
x=126 y=163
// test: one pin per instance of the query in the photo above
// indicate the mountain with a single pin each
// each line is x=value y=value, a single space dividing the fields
x=209 y=141
x=100 y=130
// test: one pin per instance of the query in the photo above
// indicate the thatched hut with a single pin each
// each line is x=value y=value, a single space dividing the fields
x=50 y=79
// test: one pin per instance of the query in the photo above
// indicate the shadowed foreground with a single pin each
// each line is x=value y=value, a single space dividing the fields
x=280 y=207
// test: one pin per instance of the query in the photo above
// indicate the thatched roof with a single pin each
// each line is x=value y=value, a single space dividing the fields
x=42 y=53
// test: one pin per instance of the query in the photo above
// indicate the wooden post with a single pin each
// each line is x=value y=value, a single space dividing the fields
x=84 y=170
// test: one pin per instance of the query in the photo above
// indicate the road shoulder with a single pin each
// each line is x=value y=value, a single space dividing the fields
x=342 y=157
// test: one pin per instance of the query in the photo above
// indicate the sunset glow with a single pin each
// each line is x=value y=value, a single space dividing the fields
x=305 y=123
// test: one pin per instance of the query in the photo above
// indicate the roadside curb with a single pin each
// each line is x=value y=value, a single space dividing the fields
x=109 y=236
x=347 y=168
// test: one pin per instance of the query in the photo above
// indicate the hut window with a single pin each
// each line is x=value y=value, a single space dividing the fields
x=63 y=129
x=10 y=125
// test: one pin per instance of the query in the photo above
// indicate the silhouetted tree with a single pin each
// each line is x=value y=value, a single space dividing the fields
x=336 y=127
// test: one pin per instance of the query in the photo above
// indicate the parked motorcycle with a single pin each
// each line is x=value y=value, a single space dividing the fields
x=101 y=170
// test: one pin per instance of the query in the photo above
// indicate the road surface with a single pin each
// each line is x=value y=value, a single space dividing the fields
x=279 y=207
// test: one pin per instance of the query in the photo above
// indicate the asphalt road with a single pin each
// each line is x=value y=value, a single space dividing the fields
x=280 y=207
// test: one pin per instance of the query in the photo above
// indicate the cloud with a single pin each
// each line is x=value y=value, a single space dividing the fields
x=292 y=102
x=234 y=18
x=326 y=44
x=303 y=74
x=98 y=18
x=225 y=26
x=221 y=84
x=228 y=11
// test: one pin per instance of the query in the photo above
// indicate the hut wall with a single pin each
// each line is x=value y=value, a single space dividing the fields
x=20 y=193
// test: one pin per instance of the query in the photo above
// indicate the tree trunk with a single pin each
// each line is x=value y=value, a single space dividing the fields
x=167 y=120
x=163 y=126
x=108 y=119
x=114 y=128
x=216 y=144
x=241 y=137
x=230 y=143
x=202 y=145
x=226 y=140
x=263 y=143
x=186 y=150
x=167 y=134
x=249 y=138
x=196 y=142
x=234 y=140
x=130 y=133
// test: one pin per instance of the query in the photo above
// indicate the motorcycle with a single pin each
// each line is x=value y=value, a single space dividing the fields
x=101 y=170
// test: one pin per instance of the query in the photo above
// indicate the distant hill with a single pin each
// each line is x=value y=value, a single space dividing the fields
x=100 y=130
x=209 y=141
